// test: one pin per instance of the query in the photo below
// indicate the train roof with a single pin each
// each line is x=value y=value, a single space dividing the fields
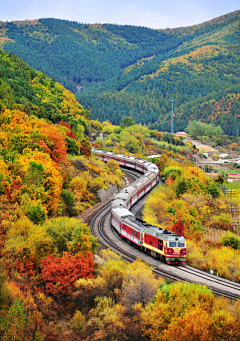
x=128 y=157
x=154 y=230
x=119 y=202
x=149 y=174
x=122 y=212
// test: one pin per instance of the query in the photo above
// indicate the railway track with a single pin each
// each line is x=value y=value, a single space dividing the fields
x=108 y=238
x=205 y=275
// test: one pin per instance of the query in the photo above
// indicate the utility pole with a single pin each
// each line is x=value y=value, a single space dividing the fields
x=237 y=127
x=172 y=117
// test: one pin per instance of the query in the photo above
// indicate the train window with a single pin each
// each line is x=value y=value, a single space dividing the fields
x=172 y=244
x=160 y=244
x=181 y=244
x=124 y=227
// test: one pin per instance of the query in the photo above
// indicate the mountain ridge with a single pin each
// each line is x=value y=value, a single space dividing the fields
x=108 y=61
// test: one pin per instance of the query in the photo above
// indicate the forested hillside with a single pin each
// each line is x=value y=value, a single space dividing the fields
x=136 y=71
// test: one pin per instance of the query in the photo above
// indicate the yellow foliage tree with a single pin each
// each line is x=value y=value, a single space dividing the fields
x=139 y=285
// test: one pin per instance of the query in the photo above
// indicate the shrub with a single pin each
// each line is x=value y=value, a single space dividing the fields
x=78 y=321
x=72 y=146
x=68 y=199
x=230 y=240
x=172 y=171
x=37 y=213
x=220 y=225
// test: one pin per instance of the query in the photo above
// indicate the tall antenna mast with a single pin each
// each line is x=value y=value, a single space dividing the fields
x=172 y=117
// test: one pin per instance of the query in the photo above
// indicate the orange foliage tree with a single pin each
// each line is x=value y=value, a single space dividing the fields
x=60 y=274
x=53 y=143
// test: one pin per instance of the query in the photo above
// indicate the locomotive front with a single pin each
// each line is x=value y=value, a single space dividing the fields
x=161 y=244
x=175 y=250
x=165 y=245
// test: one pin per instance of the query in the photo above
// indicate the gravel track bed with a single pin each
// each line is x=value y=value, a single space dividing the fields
x=191 y=269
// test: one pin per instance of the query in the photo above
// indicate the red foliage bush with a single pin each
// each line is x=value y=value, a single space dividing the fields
x=184 y=152
x=11 y=188
x=85 y=151
x=25 y=263
x=60 y=274
x=179 y=228
x=70 y=133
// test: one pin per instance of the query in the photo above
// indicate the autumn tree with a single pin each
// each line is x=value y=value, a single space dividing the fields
x=15 y=323
x=184 y=311
x=60 y=230
x=127 y=121
x=61 y=273
x=110 y=278
x=178 y=228
x=106 y=321
x=139 y=285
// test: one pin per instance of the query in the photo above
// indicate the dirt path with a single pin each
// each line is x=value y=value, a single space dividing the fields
x=199 y=145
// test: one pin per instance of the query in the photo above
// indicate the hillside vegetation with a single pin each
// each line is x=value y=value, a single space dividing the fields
x=136 y=71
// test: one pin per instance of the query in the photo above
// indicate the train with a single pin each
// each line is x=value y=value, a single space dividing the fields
x=162 y=244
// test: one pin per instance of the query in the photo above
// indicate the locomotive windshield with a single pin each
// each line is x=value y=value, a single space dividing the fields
x=172 y=244
x=181 y=244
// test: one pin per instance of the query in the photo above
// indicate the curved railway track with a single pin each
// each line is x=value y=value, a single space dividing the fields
x=108 y=238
